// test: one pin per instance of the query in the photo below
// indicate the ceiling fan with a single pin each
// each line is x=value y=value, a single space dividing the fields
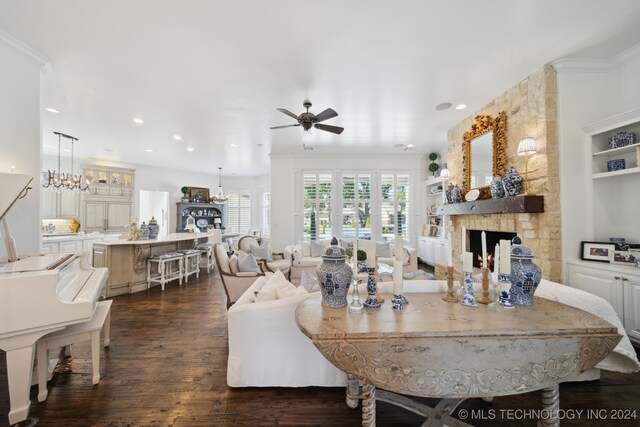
x=308 y=120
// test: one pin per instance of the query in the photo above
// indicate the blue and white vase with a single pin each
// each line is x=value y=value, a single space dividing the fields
x=496 y=187
x=512 y=182
x=154 y=228
x=372 y=299
x=525 y=275
x=334 y=277
x=447 y=193
x=468 y=299
x=456 y=194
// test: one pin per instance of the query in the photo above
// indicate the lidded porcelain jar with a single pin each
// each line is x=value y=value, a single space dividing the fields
x=143 y=233
x=334 y=277
x=512 y=182
x=154 y=228
x=74 y=226
x=456 y=194
x=496 y=187
x=525 y=275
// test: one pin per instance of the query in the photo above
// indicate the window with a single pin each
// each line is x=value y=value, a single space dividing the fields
x=395 y=205
x=266 y=213
x=238 y=212
x=317 y=206
x=356 y=205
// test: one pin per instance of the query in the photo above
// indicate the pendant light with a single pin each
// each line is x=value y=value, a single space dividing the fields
x=59 y=181
x=220 y=197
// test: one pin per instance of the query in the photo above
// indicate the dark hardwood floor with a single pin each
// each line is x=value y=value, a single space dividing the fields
x=166 y=366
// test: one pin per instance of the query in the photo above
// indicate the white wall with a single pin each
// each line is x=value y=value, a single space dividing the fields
x=589 y=92
x=20 y=136
x=286 y=172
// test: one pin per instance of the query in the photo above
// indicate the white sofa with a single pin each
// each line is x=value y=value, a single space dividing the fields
x=266 y=348
x=303 y=261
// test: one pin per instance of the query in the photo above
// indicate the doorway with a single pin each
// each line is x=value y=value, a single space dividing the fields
x=155 y=204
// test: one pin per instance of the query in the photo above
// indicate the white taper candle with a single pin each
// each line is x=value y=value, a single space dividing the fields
x=484 y=250
x=505 y=257
x=397 y=277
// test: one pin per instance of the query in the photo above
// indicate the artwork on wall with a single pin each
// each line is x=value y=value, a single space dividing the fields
x=199 y=194
x=597 y=251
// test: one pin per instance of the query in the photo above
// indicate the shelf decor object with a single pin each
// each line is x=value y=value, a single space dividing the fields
x=220 y=197
x=65 y=181
x=615 y=165
x=334 y=276
x=526 y=147
x=621 y=139
x=525 y=275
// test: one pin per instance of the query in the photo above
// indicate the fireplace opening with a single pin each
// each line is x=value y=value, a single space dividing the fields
x=493 y=238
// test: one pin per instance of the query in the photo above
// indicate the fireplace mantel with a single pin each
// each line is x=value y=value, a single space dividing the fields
x=515 y=204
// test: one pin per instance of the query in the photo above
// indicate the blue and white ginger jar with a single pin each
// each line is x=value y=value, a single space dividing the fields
x=496 y=187
x=334 y=277
x=447 y=193
x=456 y=194
x=512 y=182
x=525 y=275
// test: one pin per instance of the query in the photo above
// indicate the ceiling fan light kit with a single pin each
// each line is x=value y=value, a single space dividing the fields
x=308 y=120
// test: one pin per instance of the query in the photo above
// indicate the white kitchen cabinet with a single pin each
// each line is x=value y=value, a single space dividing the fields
x=109 y=216
x=431 y=250
x=109 y=205
x=50 y=248
x=70 y=246
x=63 y=205
x=618 y=284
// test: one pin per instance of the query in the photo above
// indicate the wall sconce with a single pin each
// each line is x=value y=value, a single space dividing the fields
x=525 y=147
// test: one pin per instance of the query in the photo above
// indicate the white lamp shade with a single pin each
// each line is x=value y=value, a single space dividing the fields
x=527 y=146
x=444 y=173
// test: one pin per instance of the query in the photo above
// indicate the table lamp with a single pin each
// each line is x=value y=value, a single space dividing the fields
x=525 y=147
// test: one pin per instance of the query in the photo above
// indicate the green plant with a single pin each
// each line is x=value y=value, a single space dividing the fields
x=362 y=255
x=185 y=190
x=433 y=167
x=433 y=156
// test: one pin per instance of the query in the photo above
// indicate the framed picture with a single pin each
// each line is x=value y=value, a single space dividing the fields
x=625 y=258
x=596 y=251
x=202 y=194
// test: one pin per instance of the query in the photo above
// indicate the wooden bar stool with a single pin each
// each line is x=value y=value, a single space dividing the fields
x=170 y=267
x=191 y=263
x=72 y=334
x=206 y=256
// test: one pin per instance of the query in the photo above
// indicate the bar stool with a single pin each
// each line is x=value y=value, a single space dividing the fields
x=206 y=256
x=191 y=263
x=170 y=267
x=89 y=330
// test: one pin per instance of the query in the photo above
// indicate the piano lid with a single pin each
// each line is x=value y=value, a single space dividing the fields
x=38 y=263
x=12 y=186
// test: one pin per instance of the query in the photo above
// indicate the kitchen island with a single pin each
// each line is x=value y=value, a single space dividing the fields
x=127 y=259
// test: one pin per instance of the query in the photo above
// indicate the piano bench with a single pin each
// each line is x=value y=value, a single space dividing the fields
x=72 y=334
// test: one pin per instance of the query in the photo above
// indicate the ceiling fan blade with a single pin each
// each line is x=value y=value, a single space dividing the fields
x=333 y=129
x=287 y=112
x=285 y=126
x=327 y=114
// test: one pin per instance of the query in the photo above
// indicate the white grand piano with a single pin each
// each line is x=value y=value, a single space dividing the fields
x=39 y=294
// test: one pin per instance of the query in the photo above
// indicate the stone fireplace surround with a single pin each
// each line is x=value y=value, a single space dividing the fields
x=474 y=237
x=531 y=109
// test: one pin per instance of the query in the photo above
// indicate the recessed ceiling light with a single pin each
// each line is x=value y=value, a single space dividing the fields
x=52 y=110
x=410 y=145
x=189 y=148
x=443 y=106
x=461 y=106
x=177 y=137
x=137 y=120
x=233 y=145
x=108 y=149
x=149 y=150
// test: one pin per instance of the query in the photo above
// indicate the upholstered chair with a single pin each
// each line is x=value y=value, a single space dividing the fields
x=279 y=260
x=235 y=283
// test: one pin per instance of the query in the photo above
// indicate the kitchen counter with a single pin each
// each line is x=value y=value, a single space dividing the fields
x=170 y=238
x=62 y=237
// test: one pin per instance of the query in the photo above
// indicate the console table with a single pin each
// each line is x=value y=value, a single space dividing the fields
x=444 y=350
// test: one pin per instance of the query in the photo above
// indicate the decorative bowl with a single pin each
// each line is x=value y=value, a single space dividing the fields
x=615 y=165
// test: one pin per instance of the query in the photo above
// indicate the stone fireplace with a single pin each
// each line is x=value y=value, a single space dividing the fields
x=475 y=244
x=531 y=110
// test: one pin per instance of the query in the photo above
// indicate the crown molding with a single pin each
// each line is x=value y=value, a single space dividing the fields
x=596 y=65
x=23 y=49
x=613 y=122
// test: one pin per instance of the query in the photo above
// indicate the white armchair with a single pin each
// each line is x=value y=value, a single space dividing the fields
x=234 y=283
x=267 y=349
x=279 y=260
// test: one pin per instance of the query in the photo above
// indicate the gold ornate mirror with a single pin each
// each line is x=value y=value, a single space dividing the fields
x=484 y=153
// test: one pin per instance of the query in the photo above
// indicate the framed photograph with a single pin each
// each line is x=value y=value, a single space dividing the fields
x=597 y=251
x=202 y=194
x=624 y=258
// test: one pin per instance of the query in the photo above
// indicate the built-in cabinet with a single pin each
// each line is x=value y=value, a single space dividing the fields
x=431 y=244
x=619 y=285
x=206 y=215
x=80 y=243
x=108 y=207
x=60 y=205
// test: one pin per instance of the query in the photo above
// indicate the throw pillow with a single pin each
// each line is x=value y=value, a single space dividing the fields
x=267 y=293
x=309 y=282
x=347 y=243
x=317 y=249
x=383 y=250
x=306 y=248
x=233 y=264
x=291 y=291
x=247 y=262
x=263 y=251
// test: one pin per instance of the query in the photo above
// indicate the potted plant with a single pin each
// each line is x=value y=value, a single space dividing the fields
x=433 y=166
x=185 y=193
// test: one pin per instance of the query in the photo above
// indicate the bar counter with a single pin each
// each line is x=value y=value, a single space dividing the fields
x=127 y=260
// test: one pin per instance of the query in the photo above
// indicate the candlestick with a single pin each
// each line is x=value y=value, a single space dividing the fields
x=505 y=257
x=467 y=262
x=484 y=297
x=371 y=254
x=484 y=249
x=450 y=296
x=399 y=300
x=449 y=252
x=463 y=249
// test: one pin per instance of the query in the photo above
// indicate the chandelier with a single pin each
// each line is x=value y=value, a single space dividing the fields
x=220 y=197
x=59 y=181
